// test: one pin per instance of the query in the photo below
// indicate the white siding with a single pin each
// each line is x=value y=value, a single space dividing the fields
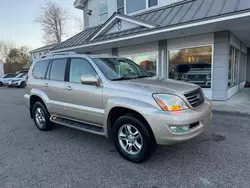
x=234 y=41
x=125 y=25
x=166 y=2
x=192 y=41
x=1 y=70
x=94 y=6
x=140 y=48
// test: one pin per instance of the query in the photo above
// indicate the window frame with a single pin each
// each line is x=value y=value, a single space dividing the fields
x=118 y=8
x=139 y=11
x=50 y=67
x=103 y=13
x=69 y=65
x=195 y=46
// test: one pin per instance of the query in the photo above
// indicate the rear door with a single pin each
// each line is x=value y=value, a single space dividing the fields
x=54 y=86
x=84 y=101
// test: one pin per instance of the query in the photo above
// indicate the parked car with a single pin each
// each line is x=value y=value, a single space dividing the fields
x=5 y=80
x=178 y=72
x=199 y=74
x=8 y=82
x=19 y=81
x=116 y=98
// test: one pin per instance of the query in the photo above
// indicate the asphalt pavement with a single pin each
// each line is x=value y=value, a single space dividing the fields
x=64 y=157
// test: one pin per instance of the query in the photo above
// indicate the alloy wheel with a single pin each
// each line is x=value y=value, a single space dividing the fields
x=130 y=139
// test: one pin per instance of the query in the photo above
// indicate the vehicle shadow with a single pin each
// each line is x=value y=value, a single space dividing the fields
x=190 y=149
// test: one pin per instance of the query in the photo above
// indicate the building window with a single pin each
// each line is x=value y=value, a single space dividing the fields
x=103 y=13
x=120 y=6
x=233 y=71
x=134 y=6
x=152 y=3
x=147 y=61
x=192 y=65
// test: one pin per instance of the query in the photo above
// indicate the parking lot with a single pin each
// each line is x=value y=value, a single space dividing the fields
x=65 y=157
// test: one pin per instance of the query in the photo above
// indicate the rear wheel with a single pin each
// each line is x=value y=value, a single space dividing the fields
x=132 y=139
x=1 y=84
x=41 y=117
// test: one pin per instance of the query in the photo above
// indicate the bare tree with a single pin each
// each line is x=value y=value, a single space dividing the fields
x=79 y=26
x=5 y=46
x=53 y=20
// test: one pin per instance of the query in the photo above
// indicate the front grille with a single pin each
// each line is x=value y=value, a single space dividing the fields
x=196 y=77
x=195 y=98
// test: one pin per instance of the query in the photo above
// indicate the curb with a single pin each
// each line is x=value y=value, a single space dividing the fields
x=224 y=112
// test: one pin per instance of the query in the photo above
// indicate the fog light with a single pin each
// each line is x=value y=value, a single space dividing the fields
x=180 y=129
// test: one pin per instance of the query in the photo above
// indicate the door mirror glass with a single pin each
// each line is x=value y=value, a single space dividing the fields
x=89 y=79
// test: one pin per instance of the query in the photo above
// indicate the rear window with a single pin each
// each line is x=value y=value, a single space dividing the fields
x=40 y=69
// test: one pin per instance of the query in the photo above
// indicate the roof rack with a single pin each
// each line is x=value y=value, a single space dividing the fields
x=59 y=53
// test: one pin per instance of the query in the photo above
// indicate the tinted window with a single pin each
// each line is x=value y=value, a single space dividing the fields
x=40 y=68
x=57 y=71
x=79 y=67
x=152 y=3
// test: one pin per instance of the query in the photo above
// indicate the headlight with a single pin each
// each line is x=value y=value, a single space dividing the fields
x=184 y=76
x=169 y=102
x=209 y=77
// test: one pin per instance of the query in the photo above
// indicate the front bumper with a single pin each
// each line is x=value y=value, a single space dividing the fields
x=161 y=121
x=27 y=100
x=14 y=84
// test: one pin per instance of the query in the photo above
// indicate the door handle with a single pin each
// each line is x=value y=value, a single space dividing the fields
x=46 y=85
x=69 y=88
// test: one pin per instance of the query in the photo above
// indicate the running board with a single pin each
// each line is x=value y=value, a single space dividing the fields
x=77 y=125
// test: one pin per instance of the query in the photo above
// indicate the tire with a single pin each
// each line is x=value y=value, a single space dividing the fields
x=22 y=85
x=142 y=148
x=1 y=84
x=41 y=117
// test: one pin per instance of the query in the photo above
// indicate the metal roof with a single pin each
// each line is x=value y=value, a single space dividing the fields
x=47 y=47
x=79 y=39
x=178 y=13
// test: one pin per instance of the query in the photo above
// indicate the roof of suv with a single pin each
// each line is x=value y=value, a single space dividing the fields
x=73 y=54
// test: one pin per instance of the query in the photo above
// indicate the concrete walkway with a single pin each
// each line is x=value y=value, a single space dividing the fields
x=239 y=103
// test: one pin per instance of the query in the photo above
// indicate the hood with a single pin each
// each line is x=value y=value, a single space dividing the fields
x=158 y=85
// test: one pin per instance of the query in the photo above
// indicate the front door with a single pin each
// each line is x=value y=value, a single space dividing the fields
x=85 y=101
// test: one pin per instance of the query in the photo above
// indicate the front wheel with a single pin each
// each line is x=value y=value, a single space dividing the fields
x=132 y=139
x=22 y=85
x=41 y=117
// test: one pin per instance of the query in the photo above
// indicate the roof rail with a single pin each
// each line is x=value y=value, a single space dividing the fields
x=58 y=53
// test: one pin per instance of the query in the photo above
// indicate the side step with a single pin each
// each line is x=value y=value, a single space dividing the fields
x=77 y=125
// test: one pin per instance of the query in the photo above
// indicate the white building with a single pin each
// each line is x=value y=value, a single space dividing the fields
x=200 y=41
x=36 y=54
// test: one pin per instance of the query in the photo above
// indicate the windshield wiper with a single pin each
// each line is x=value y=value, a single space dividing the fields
x=121 y=78
x=146 y=76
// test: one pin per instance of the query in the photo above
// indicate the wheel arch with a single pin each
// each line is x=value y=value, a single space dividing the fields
x=33 y=100
x=118 y=111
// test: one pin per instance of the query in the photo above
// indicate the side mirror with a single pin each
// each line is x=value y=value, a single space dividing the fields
x=89 y=79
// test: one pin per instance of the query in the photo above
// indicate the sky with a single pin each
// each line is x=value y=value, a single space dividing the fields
x=18 y=25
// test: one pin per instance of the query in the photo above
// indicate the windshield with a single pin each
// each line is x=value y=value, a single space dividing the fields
x=20 y=75
x=120 y=68
x=10 y=75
